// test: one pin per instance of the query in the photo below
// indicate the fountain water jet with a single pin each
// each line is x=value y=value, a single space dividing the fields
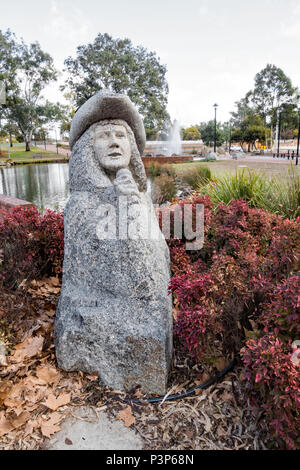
x=174 y=140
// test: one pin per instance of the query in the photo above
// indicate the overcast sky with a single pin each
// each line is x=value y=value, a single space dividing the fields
x=212 y=48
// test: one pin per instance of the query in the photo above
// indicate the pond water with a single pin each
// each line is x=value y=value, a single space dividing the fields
x=45 y=185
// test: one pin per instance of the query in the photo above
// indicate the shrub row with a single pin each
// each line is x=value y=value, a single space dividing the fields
x=241 y=290
x=31 y=244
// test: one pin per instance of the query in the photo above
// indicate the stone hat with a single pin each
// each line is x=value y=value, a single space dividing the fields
x=107 y=105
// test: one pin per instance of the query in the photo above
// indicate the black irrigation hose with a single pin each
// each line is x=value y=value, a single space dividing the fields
x=177 y=396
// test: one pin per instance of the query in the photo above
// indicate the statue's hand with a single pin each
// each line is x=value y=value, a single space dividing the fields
x=125 y=184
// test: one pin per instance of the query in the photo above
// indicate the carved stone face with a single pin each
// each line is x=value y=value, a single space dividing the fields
x=112 y=146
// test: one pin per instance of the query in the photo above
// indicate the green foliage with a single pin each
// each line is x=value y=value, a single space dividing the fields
x=29 y=71
x=281 y=196
x=197 y=176
x=272 y=88
x=275 y=195
x=207 y=131
x=155 y=169
x=251 y=128
x=246 y=185
x=117 y=65
x=191 y=133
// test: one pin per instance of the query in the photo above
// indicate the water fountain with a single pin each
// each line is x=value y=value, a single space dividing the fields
x=174 y=140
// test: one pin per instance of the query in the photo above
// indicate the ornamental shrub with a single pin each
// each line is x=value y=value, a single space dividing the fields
x=196 y=176
x=241 y=290
x=31 y=244
x=273 y=383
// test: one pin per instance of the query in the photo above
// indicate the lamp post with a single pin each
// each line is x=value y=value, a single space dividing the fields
x=298 y=140
x=215 y=135
x=279 y=128
x=230 y=123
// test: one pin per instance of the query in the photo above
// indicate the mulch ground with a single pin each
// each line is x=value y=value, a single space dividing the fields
x=36 y=396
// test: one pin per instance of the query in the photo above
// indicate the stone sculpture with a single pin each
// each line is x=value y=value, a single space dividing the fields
x=114 y=315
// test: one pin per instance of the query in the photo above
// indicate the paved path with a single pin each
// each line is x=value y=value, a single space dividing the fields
x=52 y=148
x=92 y=432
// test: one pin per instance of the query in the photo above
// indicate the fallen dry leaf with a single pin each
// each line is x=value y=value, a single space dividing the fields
x=48 y=429
x=5 y=425
x=54 y=281
x=126 y=416
x=221 y=363
x=51 y=426
x=68 y=442
x=28 y=348
x=54 y=403
x=92 y=377
x=28 y=430
x=20 y=420
x=47 y=374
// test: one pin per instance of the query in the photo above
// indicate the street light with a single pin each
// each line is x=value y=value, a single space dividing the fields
x=230 y=123
x=279 y=129
x=215 y=136
x=298 y=141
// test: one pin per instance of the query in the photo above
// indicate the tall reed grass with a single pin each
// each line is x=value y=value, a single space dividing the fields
x=276 y=195
x=196 y=176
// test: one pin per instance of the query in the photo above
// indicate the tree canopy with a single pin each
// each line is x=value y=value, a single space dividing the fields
x=191 y=133
x=207 y=131
x=117 y=65
x=273 y=90
x=27 y=70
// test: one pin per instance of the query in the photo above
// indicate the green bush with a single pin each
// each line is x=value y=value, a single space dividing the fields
x=242 y=185
x=197 y=176
x=282 y=196
x=155 y=169
x=274 y=195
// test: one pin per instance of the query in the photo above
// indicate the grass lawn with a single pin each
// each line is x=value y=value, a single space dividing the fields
x=269 y=168
x=36 y=155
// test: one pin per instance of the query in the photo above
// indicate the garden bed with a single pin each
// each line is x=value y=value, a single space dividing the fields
x=238 y=296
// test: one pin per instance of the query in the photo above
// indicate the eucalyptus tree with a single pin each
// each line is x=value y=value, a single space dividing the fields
x=117 y=65
x=27 y=70
x=273 y=89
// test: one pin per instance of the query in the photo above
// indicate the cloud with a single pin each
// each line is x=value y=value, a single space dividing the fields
x=290 y=27
x=71 y=27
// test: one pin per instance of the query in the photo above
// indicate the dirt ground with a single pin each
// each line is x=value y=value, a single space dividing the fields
x=269 y=166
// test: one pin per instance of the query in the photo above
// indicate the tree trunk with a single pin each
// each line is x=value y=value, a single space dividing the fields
x=27 y=146
x=10 y=140
x=271 y=143
x=266 y=138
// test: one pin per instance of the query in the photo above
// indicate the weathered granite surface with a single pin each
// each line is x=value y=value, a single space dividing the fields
x=114 y=315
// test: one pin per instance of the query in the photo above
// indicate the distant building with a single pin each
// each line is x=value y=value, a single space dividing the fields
x=160 y=147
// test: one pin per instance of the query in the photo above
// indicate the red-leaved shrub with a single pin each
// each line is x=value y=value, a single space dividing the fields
x=273 y=383
x=244 y=283
x=31 y=244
